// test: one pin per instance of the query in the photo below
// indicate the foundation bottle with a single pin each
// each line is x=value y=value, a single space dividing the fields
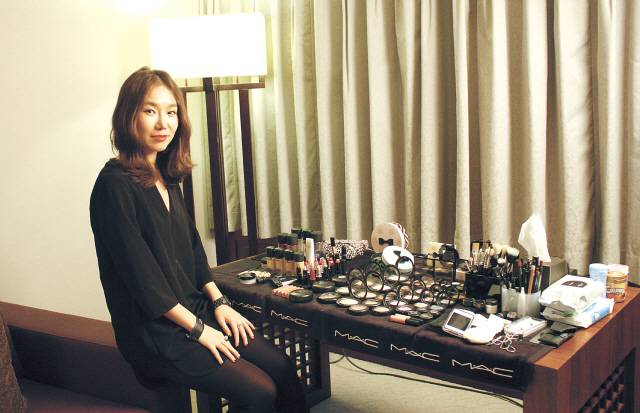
x=270 y=257
x=282 y=240
x=289 y=264
x=279 y=260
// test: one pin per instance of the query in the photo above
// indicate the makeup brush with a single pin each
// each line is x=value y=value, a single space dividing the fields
x=475 y=247
x=512 y=256
x=493 y=257
x=501 y=262
x=503 y=253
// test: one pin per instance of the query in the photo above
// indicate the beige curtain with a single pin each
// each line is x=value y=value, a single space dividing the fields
x=458 y=119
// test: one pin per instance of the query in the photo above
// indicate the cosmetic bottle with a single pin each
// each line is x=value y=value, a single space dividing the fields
x=289 y=264
x=279 y=260
x=306 y=233
x=333 y=247
x=282 y=240
x=270 y=258
x=309 y=250
x=298 y=232
x=317 y=244
x=292 y=242
x=298 y=259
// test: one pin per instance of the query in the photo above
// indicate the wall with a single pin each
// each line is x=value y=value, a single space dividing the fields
x=62 y=64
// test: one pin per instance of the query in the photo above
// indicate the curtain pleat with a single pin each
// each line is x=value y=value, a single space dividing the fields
x=357 y=128
x=630 y=242
x=466 y=122
x=457 y=119
x=575 y=196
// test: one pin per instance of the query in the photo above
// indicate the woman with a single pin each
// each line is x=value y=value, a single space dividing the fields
x=170 y=320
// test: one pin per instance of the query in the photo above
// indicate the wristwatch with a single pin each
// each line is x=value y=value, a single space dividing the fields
x=221 y=301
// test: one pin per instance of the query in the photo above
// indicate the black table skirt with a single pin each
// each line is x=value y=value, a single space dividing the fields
x=377 y=336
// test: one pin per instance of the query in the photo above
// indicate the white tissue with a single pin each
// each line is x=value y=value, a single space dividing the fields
x=533 y=238
x=484 y=330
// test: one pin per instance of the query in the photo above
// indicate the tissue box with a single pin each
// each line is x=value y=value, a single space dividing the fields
x=553 y=271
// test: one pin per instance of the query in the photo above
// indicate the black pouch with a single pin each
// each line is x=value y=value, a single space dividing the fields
x=557 y=334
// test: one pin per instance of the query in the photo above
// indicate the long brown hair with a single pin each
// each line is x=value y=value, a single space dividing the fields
x=174 y=163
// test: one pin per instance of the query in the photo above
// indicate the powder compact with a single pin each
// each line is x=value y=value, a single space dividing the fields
x=247 y=278
x=372 y=302
x=328 y=298
x=421 y=307
x=403 y=309
x=346 y=302
x=381 y=310
x=323 y=287
x=358 y=309
x=426 y=317
x=301 y=296
x=343 y=290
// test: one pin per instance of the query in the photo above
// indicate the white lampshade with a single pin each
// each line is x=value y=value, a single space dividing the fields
x=209 y=46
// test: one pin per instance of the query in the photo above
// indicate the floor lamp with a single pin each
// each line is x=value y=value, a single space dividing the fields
x=209 y=48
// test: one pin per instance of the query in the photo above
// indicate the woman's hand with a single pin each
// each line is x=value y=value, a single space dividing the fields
x=240 y=326
x=218 y=343
x=211 y=338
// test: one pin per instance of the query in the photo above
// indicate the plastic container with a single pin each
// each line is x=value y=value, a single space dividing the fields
x=617 y=280
x=599 y=272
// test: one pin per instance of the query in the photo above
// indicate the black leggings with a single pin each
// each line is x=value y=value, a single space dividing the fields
x=264 y=377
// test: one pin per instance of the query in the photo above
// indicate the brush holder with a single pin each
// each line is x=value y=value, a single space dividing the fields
x=520 y=302
x=478 y=286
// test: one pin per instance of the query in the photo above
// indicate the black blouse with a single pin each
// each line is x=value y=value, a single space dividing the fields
x=150 y=260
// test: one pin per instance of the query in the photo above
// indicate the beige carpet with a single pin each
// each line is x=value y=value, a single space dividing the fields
x=355 y=391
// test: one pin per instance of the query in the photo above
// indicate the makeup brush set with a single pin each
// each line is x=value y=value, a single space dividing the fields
x=490 y=264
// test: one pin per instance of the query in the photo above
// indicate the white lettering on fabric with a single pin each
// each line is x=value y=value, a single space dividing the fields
x=255 y=308
x=365 y=341
x=288 y=318
x=425 y=356
x=497 y=371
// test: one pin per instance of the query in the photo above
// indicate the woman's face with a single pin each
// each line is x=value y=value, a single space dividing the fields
x=156 y=121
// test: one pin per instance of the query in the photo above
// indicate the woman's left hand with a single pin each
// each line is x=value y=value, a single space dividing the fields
x=240 y=326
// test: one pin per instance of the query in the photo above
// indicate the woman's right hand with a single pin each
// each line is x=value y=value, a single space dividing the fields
x=218 y=343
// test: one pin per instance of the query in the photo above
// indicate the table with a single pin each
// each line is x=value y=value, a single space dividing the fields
x=593 y=372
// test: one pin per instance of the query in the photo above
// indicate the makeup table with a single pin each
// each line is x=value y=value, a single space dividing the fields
x=595 y=369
